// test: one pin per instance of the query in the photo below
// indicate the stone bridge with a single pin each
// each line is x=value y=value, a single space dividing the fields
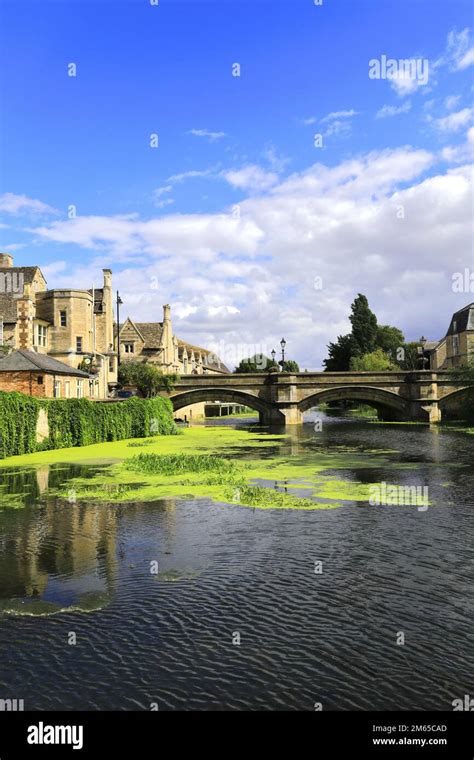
x=281 y=398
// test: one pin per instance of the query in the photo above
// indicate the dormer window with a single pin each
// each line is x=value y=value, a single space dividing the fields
x=129 y=348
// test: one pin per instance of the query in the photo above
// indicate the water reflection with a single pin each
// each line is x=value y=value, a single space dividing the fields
x=166 y=637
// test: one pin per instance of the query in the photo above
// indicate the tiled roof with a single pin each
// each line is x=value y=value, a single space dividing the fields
x=27 y=272
x=464 y=319
x=30 y=361
x=213 y=361
x=151 y=333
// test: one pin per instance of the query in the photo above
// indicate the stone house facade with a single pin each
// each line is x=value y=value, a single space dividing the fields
x=155 y=343
x=70 y=325
x=457 y=346
x=76 y=328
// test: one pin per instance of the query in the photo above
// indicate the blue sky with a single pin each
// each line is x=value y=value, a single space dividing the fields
x=237 y=218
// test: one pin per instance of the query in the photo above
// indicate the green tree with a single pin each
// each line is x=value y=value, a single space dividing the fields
x=291 y=366
x=390 y=339
x=339 y=355
x=256 y=363
x=409 y=358
x=148 y=379
x=364 y=327
x=375 y=361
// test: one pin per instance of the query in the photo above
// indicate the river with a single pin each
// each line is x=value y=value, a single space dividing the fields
x=354 y=608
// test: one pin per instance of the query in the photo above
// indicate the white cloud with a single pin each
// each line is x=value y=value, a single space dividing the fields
x=248 y=281
x=451 y=102
x=191 y=174
x=459 y=53
x=460 y=153
x=163 y=203
x=211 y=136
x=455 y=121
x=250 y=177
x=387 y=111
x=339 y=115
x=162 y=190
x=21 y=204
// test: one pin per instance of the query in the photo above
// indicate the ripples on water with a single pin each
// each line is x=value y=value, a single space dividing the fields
x=305 y=637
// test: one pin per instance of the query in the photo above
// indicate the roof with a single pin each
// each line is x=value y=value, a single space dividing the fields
x=464 y=319
x=30 y=361
x=8 y=308
x=27 y=272
x=151 y=333
x=213 y=361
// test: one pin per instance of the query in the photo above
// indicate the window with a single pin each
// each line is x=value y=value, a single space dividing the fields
x=39 y=379
x=57 y=389
x=129 y=348
x=67 y=390
x=79 y=389
x=63 y=318
x=78 y=346
x=41 y=336
x=455 y=344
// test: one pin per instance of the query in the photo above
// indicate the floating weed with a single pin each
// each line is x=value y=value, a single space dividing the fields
x=173 y=464
x=266 y=498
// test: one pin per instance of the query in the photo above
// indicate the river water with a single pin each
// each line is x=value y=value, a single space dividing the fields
x=385 y=622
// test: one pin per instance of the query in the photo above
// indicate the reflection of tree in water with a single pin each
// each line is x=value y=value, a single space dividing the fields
x=25 y=485
x=55 y=549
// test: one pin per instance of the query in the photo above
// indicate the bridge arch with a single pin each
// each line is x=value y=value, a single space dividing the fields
x=383 y=400
x=267 y=412
x=449 y=404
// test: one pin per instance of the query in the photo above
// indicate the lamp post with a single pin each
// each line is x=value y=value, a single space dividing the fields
x=119 y=303
x=273 y=354
x=422 y=344
x=282 y=344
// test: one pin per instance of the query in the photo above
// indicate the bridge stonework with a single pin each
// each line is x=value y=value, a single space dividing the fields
x=282 y=398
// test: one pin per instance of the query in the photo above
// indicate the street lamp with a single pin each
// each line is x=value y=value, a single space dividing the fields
x=283 y=344
x=422 y=344
x=273 y=354
x=119 y=304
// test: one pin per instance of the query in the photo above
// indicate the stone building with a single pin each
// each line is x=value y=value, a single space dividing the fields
x=155 y=343
x=457 y=346
x=70 y=325
x=38 y=375
x=76 y=328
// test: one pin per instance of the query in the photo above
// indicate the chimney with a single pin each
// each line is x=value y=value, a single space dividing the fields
x=6 y=260
x=107 y=278
x=166 y=313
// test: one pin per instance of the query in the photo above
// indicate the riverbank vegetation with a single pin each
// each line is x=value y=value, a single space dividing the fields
x=78 y=422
